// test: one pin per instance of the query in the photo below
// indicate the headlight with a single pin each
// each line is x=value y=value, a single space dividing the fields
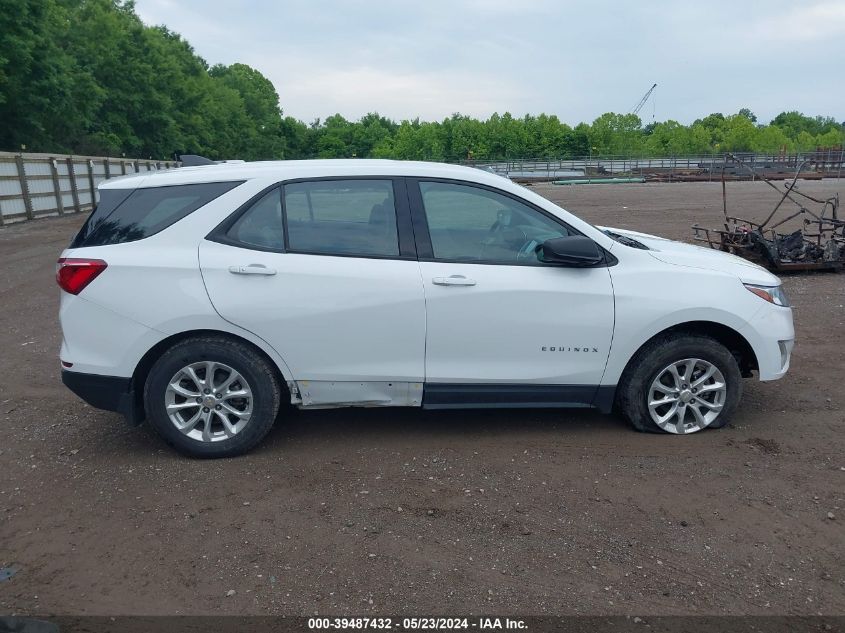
x=772 y=294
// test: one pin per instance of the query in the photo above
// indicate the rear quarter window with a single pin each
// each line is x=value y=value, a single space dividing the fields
x=130 y=215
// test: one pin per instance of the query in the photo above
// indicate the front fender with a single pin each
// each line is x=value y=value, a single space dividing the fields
x=651 y=296
x=629 y=337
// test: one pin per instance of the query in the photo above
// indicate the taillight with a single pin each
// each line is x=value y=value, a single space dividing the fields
x=73 y=274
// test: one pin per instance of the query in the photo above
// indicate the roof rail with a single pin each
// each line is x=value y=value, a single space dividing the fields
x=193 y=160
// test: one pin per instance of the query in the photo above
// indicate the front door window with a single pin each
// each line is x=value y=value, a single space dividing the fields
x=470 y=224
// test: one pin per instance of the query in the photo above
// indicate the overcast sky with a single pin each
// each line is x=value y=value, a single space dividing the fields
x=430 y=58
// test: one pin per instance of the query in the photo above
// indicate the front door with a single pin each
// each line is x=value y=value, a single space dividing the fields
x=498 y=320
x=318 y=270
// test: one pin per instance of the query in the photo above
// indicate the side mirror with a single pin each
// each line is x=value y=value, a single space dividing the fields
x=576 y=251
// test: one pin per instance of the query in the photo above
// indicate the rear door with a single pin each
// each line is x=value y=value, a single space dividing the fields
x=325 y=271
x=502 y=326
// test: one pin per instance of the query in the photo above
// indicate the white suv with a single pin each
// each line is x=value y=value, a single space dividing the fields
x=202 y=297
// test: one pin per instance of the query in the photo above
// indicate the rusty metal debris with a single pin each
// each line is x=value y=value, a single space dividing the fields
x=818 y=245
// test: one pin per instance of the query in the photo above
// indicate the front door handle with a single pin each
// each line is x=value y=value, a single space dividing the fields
x=252 y=269
x=453 y=280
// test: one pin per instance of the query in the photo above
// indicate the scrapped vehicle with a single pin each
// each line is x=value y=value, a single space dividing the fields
x=818 y=245
x=202 y=298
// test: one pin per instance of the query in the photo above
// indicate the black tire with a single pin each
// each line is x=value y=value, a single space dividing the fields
x=632 y=394
x=254 y=368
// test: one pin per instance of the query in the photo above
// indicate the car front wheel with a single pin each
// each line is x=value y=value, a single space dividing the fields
x=681 y=384
x=212 y=397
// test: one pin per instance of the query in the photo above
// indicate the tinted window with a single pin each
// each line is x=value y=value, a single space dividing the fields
x=144 y=212
x=342 y=217
x=472 y=224
x=261 y=224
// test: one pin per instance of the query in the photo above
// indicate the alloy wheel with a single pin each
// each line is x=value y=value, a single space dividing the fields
x=687 y=396
x=208 y=401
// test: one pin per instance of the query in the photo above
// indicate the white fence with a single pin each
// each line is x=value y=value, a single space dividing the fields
x=40 y=185
x=828 y=162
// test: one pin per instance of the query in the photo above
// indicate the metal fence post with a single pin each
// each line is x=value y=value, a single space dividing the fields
x=57 y=189
x=2 y=221
x=91 y=181
x=74 y=190
x=27 y=201
x=108 y=168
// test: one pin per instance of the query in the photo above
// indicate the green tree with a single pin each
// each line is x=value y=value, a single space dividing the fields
x=793 y=123
x=47 y=99
x=87 y=76
x=740 y=133
x=333 y=139
x=771 y=139
x=506 y=137
x=748 y=114
x=670 y=139
x=262 y=136
x=616 y=134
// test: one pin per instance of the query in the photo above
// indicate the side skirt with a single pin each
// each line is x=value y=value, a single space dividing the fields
x=496 y=396
x=318 y=394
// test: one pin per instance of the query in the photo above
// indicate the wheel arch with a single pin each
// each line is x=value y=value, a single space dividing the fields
x=733 y=341
x=145 y=364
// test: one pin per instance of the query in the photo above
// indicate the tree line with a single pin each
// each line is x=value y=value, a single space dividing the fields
x=88 y=77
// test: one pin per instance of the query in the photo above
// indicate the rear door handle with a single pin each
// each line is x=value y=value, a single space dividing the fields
x=252 y=269
x=453 y=280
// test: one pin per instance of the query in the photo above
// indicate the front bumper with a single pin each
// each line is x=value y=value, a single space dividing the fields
x=772 y=336
x=110 y=393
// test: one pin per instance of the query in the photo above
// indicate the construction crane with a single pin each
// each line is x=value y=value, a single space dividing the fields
x=640 y=105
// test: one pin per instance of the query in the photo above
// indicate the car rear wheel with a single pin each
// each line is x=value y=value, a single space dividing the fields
x=680 y=384
x=212 y=397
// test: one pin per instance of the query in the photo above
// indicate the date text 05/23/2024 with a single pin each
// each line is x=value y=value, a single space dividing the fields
x=419 y=623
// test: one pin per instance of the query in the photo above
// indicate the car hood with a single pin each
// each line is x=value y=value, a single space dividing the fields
x=681 y=254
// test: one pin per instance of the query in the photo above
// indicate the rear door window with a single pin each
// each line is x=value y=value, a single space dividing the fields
x=261 y=225
x=127 y=216
x=342 y=217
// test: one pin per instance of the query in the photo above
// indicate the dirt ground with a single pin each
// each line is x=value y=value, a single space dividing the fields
x=417 y=513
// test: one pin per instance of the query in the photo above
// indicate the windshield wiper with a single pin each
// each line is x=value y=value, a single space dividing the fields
x=627 y=241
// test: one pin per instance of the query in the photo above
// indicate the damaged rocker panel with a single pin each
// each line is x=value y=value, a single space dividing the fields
x=317 y=394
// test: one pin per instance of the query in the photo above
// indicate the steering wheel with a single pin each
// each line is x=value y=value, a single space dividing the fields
x=493 y=235
x=528 y=251
x=504 y=237
x=493 y=232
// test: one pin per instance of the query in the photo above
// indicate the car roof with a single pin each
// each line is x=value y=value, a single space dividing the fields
x=291 y=169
